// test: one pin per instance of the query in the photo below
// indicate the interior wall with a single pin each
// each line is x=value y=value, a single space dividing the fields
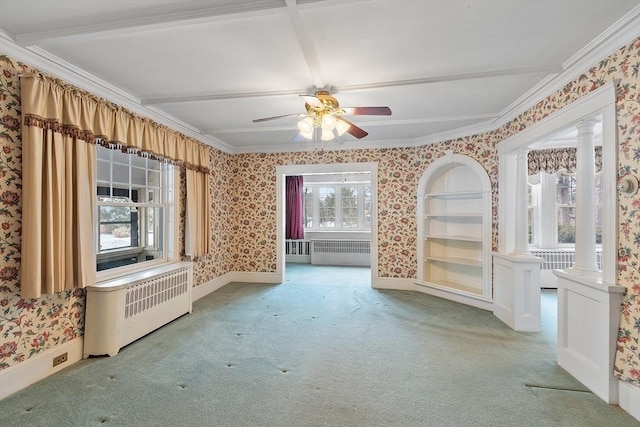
x=243 y=191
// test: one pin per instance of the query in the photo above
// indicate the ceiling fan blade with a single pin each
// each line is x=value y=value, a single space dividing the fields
x=274 y=118
x=314 y=101
x=298 y=137
x=367 y=111
x=353 y=129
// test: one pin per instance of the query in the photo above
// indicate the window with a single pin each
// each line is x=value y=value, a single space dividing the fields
x=134 y=201
x=339 y=206
x=562 y=200
x=566 y=207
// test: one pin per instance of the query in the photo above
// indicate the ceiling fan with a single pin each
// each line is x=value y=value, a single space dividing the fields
x=324 y=113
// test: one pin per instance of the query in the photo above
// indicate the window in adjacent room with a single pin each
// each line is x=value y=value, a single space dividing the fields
x=337 y=205
x=134 y=205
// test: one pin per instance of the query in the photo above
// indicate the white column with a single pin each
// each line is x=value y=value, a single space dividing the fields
x=521 y=243
x=548 y=211
x=585 y=260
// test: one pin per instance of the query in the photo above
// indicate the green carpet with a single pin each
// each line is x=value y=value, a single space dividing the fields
x=321 y=349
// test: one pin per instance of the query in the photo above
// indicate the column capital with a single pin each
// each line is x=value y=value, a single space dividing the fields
x=586 y=126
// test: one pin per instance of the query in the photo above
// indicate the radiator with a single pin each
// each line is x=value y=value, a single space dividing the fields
x=341 y=252
x=119 y=311
x=560 y=259
x=298 y=251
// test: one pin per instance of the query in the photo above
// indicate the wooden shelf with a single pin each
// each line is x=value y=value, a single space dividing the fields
x=458 y=238
x=456 y=195
x=454 y=232
x=453 y=215
x=454 y=260
x=447 y=284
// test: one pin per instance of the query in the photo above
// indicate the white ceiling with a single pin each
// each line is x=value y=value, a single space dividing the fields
x=208 y=68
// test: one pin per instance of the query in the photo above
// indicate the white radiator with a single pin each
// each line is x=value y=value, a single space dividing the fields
x=119 y=311
x=557 y=259
x=298 y=251
x=560 y=259
x=341 y=252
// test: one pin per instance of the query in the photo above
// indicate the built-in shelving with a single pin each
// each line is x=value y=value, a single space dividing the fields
x=454 y=231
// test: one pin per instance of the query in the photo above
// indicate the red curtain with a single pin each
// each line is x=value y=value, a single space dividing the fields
x=294 y=216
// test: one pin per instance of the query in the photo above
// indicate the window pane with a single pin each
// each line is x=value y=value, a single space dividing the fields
x=349 y=207
x=566 y=224
x=367 y=207
x=308 y=207
x=115 y=236
x=327 y=206
x=138 y=177
x=120 y=173
x=103 y=173
x=115 y=214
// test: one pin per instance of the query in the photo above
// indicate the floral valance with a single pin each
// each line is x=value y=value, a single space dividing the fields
x=554 y=160
x=49 y=103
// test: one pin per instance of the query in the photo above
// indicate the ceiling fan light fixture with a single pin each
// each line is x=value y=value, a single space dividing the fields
x=342 y=127
x=306 y=125
x=328 y=122
x=327 y=135
x=307 y=134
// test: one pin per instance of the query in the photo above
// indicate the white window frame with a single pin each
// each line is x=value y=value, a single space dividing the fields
x=537 y=201
x=338 y=206
x=167 y=193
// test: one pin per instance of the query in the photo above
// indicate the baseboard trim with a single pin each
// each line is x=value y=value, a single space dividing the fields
x=211 y=286
x=629 y=398
x=22 y=375
x=453 y=295
x=393 y=283
x=249 y=277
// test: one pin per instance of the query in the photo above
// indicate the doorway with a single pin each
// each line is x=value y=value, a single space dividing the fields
x=289 y=170
x=588 y=307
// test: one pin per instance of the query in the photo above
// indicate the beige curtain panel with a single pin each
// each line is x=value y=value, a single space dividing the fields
x=198 y=233
x=60 y=125
x=58 y=194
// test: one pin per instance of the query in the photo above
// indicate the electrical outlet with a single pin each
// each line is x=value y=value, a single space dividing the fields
x=60 y=359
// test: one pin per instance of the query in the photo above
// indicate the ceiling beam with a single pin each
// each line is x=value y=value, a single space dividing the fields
x=547 y=69
x=306 y=43
x=120 y=26
x=420 y=121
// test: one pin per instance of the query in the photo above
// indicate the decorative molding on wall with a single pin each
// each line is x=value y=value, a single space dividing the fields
x=22 y=375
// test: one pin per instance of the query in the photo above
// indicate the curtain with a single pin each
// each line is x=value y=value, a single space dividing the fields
x=554 y=160
x=60 y=125
x=197 y=239
x=294 y=213
x=58 y=198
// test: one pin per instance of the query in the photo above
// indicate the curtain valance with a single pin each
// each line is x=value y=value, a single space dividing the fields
x=554 y=160
x=51 y=104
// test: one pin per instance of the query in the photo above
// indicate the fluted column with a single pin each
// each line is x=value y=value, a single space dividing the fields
x=522 y=242
x=585 y=258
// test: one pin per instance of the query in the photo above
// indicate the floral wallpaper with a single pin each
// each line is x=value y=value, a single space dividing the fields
x=27 y=327
x=243 y=210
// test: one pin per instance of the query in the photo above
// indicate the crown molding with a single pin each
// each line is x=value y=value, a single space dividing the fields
x=619 y=34
x=55 y=66
x=165 y=20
